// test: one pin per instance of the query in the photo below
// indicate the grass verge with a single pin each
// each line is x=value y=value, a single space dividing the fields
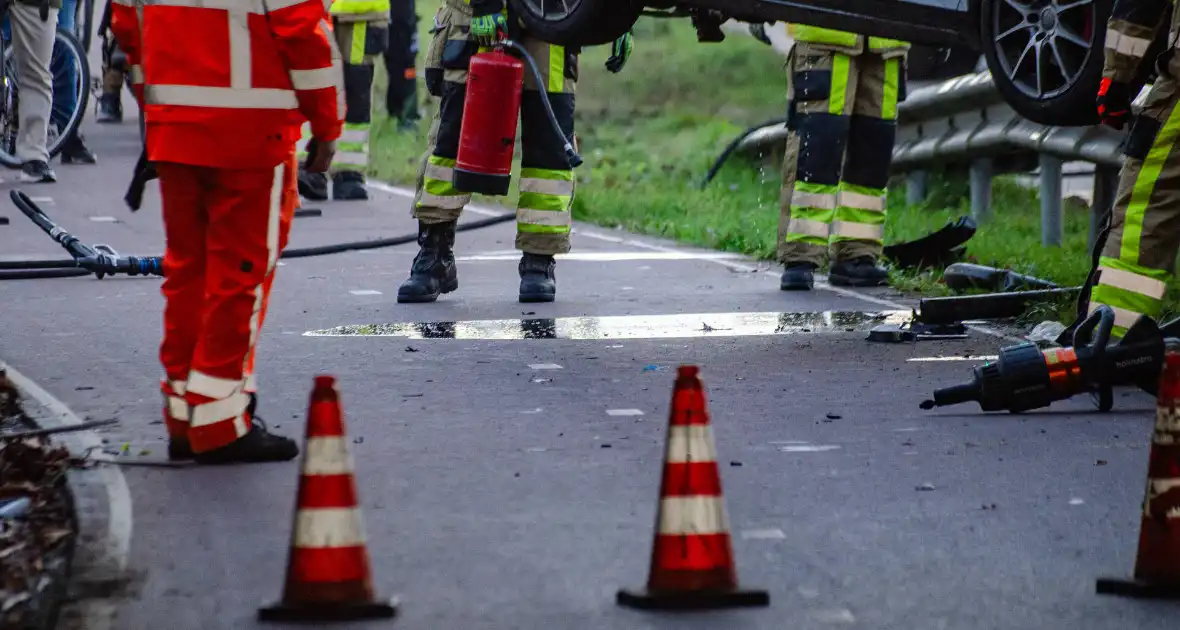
x=650 y=133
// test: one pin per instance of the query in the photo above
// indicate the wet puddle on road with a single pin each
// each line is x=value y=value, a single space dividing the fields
x=630 y=326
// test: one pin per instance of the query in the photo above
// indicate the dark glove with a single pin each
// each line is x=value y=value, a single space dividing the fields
x=485 y=29
x=145 y=172
x=620 y=52
x=1114 y=103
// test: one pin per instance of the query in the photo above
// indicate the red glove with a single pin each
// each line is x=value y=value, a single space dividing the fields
x=1114 y=103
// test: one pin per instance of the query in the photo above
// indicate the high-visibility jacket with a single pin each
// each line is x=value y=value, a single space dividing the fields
x=227 y=83
x=360 y=10
x=850 y=43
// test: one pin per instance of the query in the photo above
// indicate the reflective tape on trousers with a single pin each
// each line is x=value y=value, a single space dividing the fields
x=550 y=218
x=1123 y=318
x=861 y=201
x=863 y=231
x=216 y=411
x=228 y=98
x=1122 y=279
x=808 y=228
x=212 y=386
x=558 y=187
x=1126 y=44
x=821 y=201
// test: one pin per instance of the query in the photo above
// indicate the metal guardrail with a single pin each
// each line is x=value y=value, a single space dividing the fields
x=965 y=121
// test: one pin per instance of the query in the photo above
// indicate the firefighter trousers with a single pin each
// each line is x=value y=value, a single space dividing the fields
x=1140 y=252
x=843 y=119
x=546 y=181
x=224 y=230
x=360 y=43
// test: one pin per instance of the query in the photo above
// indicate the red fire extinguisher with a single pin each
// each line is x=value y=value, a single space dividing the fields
x=487 y=137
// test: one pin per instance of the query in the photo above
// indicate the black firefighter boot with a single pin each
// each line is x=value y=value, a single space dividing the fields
x=349 y=186
x=858 y=272
x=313 y=186
x=797 y=276
x=257 y=446
x=433 y=272
x=538 y=278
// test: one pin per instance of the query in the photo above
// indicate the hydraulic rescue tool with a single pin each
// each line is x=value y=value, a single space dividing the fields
x=102 y=260
x=1025 y=377
x=491 y=111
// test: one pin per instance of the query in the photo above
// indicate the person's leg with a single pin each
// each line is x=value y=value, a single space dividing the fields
x=401 y=95
x=821 y=81
x=858 y=231
x=32 y=42
x=546 y=180
x=360 y=43
x=65 y=92
x=249 y=212
x=437 y=204
x=1140 y=252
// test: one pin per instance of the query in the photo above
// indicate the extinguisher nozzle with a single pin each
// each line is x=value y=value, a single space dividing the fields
x=572 y=157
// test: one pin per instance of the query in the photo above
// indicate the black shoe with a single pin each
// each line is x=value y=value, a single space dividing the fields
x=37 y=172
x=75 y=151
x=538 y=278
x=313 y=186
x=433 y=272
x=349 y=186
x=110 y=109
x=179 y=449
x=797 y=276
x=859 y=272
x=256 y=447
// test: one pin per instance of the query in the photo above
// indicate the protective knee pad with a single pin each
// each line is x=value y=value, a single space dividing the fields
x=870 y=151
x=450 y=111
x=540 y=146
x=358 y=93
x=822 y=138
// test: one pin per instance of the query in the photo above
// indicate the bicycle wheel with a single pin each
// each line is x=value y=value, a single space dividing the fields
x=67 y=54
x=84 y=23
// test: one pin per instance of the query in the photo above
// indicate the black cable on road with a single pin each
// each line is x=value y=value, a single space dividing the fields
x=733 y=147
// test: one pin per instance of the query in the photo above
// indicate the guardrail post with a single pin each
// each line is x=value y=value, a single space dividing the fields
x=981 y=189
x=915 y=188
x=1106 y=185
x=1052 y=230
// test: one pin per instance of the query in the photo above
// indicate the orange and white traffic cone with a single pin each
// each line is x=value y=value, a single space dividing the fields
x=328 y=577
x=692 y=561
x=1157 y=564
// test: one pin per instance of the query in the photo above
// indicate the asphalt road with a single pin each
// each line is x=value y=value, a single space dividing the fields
x=502 y=492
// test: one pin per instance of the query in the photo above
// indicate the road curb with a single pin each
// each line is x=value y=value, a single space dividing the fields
x=101 y=499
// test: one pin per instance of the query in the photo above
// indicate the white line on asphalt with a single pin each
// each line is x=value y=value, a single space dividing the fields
x=536 y=449
x=1076 y=501
x=836 y=615
x=104 y=219
x=808 y=448
x=984 y=357
x=532 y=411
x=608 y=256
x=615 y=346
x=544 y=366
x=907 y=429
x=41 y=199
x=821 y=283
x=624 y=412
x=627 y=288
x=364 y=292
x=112 y=550
x=763 y=534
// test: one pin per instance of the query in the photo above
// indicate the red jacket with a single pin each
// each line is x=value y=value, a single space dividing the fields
x=228 y=83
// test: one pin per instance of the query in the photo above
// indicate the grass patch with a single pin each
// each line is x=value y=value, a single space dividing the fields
x=650 y=133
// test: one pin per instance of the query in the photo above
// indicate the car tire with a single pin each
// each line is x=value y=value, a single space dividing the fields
x=1061 y=101
x=587 y=22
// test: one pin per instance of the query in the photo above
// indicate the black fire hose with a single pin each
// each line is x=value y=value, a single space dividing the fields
x=725 y=155
x=101 y=260
x=571 y=155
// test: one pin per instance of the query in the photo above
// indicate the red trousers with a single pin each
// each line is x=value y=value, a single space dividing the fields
x=225 y=229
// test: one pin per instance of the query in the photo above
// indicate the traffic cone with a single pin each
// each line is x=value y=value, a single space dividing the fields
x=1157 y=564
x=692 y=560
x=328 y=577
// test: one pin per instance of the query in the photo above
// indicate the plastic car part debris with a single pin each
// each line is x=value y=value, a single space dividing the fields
x=937 y=249
x=916 y=331
x=966 y=276
x=948 y=310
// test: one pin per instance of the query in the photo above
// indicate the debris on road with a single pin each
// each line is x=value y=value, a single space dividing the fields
x=1045 y=334
x=966 y=276
x=411 y=349
x=937 y=249
x=36 y=520
x=926 y=487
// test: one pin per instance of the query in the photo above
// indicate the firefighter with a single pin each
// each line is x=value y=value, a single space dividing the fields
x=843 y=94
x=461 y=27
x=362 y=32
x=1140 y=249
x=223 y=114
x=110 y=105
x=401 y=94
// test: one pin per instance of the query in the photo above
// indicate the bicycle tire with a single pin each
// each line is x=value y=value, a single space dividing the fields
x=70 y=44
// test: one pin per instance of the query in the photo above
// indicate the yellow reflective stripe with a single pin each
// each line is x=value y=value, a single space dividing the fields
x=883 y=43
x=356 y=54
x=528 y=228
x=824 y=201
x=1130 y=281
x=859 y=231
x=806 y=227
x=1149 y=174
x=538 y=201
x=839 y=95
x=556 y=69
x=889 y=89
x=817 y=35
x=345 y=7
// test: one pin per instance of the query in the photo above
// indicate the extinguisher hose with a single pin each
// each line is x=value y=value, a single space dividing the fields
x=571 y=155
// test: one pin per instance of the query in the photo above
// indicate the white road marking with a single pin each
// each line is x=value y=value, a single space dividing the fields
x=615 y=346
x=409 y=194
x=364 y=292
x=536 y=449
x=623 y=412
x=1076 y=501
x=41 y=199
x=985 y=357
x=544 y=366
x=532 y=411
x=627 y=288
x=608 y=256
x=104 y=219
x=764 y=534
x=834 y=616
x=907 y=429
x=808 y=448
